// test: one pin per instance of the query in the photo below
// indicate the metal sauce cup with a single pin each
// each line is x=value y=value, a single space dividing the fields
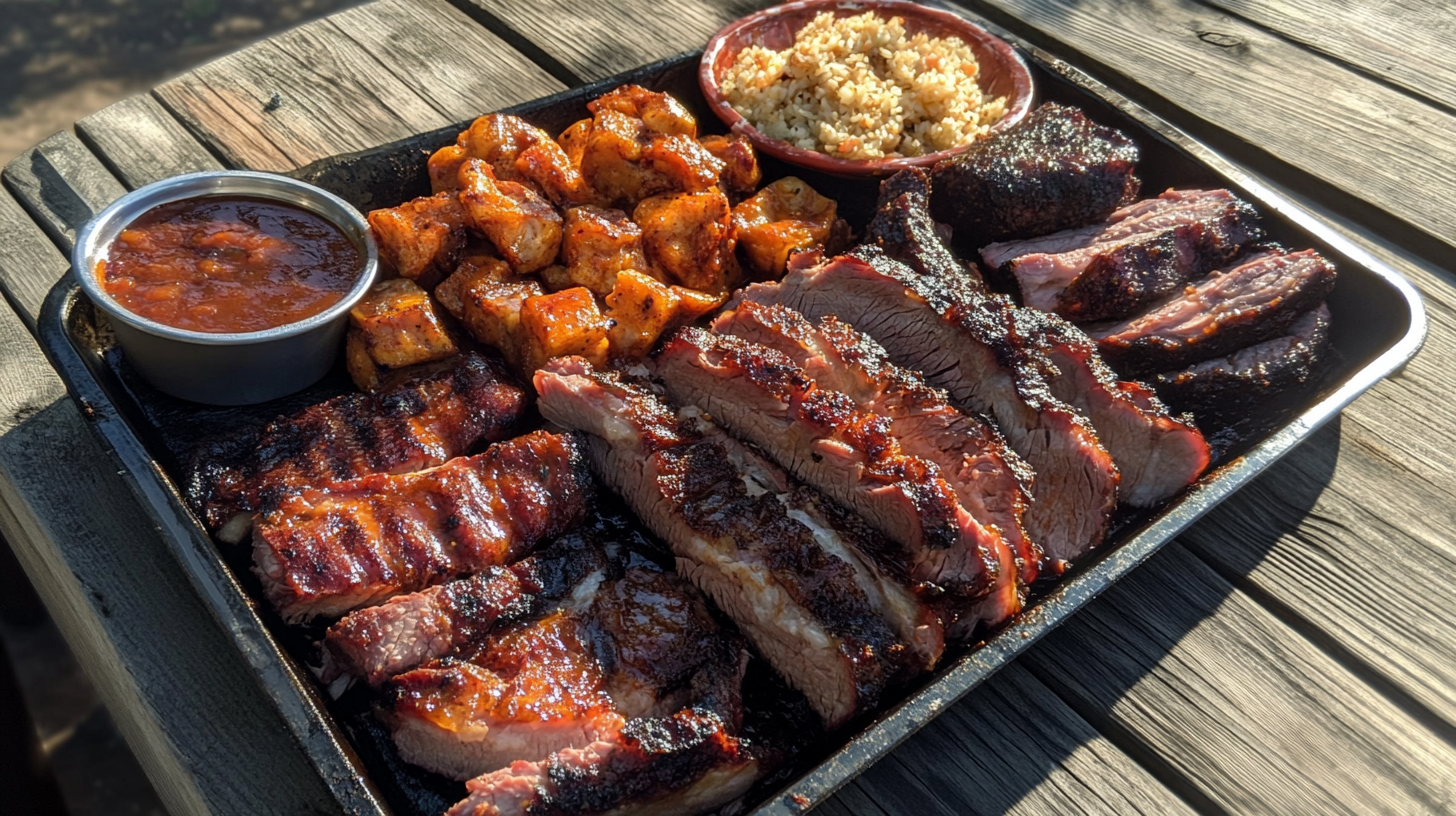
x=226 y=369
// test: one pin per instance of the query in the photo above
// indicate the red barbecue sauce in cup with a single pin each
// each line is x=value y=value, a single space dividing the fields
x=229 y=265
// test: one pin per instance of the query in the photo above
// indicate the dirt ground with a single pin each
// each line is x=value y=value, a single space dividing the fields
x=64 y=59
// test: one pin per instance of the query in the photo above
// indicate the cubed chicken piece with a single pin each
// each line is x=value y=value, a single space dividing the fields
x=658 y=111
x=393 y=327
x=444 y=168
x=422 y=238
x=563 y=323
x=785 y=217
x=598 y=244
x=522 y=225
x=641 y=309
x=487 y=301
x=740 y=175
x=688 y=237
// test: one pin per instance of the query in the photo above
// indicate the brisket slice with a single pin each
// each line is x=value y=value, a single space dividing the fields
x=325 y=551
x=1144 y=252
x=903 y=228
x=1229 y=390
x=1056 y=169
x=766 y=551
x=686 y=763
x=420 y=423
x=1157 y=453
x=991 y=481
x=967 y=343
x=1254 y=300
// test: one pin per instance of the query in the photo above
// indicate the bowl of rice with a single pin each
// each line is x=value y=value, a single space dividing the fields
x=862 y=88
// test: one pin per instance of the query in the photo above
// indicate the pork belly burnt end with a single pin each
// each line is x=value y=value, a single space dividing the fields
x=992 y=481
x=1156 y=453
x=325 y=551
x=852 y=456
x=1054 y=170
x=419 y=423
x=1255 y=300
x=765 y=551
x=421 y=239
x=687 y=763
x=1143 y=252
x=967 y=343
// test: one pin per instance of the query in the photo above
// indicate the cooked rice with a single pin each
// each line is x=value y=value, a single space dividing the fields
x=860 y=88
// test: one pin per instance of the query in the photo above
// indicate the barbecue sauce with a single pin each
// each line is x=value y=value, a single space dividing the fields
x=229 y=265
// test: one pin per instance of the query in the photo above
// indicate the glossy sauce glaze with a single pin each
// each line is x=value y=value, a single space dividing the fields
x=229 y=265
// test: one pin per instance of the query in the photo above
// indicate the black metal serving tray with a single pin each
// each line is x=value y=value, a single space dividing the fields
x=1378 y=324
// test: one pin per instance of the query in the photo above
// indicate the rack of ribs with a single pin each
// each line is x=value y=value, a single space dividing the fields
x=770 y=554
x=420 y=423
x=327 y=550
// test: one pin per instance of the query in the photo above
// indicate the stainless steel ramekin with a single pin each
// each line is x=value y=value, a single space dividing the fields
x=226 y=369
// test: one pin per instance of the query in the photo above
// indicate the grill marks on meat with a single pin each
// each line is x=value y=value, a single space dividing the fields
x=421 y=423
x=1143 y=252
x=768 y=553
x=325 y=551
x=1255 y=300
x=1156 y=453
x=903 y=228
x=1056 y=169
x=991 y=481
x=967 y=343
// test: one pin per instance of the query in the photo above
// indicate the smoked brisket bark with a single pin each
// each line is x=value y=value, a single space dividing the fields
x=418 y=424
x=325 y=551
x=903 y=228
x=992 y=482
x=1054 y=170
x=1254 y=300
x=767 y=552
x=967 y=343
x=1143 y=252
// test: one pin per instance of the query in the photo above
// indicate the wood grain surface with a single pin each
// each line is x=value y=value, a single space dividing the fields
x=61 y=184
x=140 y=142
x=29 y=261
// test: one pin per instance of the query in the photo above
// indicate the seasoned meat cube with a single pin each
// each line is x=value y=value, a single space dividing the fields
x=444 y=168
x=563 y=323
x=689 y=238
x=641 y=309
x=422 y=238
x=741 y=174
x=598 y=244
x=519 y=151
x=488 y=302
x=550 y=168
x=658 y=111
x=573 y=141
x=524 y=227
x=626 y=161
x=693 y=304
x=393 y=327
x=785 y=217
x=687 y=164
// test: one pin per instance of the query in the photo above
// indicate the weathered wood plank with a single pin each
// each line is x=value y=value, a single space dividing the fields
x=597 y=40
x=1218 y=691
x=29 y=260
x=61 y=184
x=141 y=143
x=1368 y=140
x=1010 y=747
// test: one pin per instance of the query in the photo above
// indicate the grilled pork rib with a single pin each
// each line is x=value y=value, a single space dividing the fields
x=768 y=553
x=418 y=424
x=1143 y=252
x=967 y=343
x=325 y=551
x=991 y=481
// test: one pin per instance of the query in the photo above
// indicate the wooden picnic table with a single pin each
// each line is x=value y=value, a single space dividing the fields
x=1292 y=653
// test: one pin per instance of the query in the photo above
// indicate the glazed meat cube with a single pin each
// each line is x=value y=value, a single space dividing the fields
x=573 y=141
x=641 y=309
x=518 y=151
x=522 y=225
x=685 y=162
x=688 y=237
x=444 y=168
x=741 y=174
x=393 y=327
x=624 y=160
x=487 y=301
x=658 y=111
x=692 y=304
x=550 y=168
x=598 y=244
x=422 y=238
x=563 y=323
x=785 y=217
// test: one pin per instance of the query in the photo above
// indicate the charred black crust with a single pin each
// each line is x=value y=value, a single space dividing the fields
x=903 y=228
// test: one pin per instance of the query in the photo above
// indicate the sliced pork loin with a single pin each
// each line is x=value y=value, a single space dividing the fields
x=903 y=228
x=967 y=343
x=326 y=551
x=770 y=554
x=1229 y=390
x=991 y=481
x=686 y=763
x=1256 y=299
x=1157 y=453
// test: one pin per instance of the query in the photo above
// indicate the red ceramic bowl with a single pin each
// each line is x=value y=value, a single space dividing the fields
x=1003 y=73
